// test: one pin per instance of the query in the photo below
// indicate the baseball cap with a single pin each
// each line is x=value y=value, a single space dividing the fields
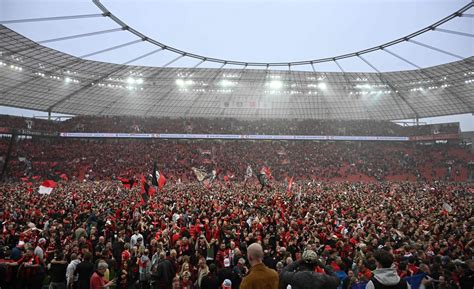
x=227 y=284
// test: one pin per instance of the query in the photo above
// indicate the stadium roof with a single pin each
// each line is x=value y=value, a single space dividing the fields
x=36 y=77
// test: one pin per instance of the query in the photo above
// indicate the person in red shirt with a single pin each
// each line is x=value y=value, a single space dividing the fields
x=126 y=254
x=364 y=272
x=97 y=279
x=31 y=270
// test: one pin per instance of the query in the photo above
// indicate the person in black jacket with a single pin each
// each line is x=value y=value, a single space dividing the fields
x=163 y=274
x=84 y=270
x=226 y=272
x=210 y=281
x=302 y=275
x=57 y=272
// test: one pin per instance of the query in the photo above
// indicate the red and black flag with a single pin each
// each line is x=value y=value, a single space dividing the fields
x=128 y=183
x=145 y=191
x=158 y=179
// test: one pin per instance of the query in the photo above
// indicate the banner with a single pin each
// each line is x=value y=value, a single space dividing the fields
x=435 y=137
x=232 y=136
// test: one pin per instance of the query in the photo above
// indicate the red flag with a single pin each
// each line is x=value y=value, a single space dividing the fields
x=128 y=183
x=161 y=181
x=47 y=187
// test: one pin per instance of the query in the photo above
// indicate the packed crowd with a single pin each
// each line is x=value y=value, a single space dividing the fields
x=225 y=126
x=189 y=236
x=323 y=161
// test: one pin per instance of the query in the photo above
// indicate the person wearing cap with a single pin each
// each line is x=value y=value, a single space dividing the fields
x=227 y=284
x=226 y=272
x=238 y=272
x=301 y=274
x=260 y=276
x=39 y=250
x=386 y=276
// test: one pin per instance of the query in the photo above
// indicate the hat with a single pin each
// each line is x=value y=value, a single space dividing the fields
x=226 y=262
x=227 y=284
x=21 y=244
x=41 y=241
x=309 y=256
x=242 y=261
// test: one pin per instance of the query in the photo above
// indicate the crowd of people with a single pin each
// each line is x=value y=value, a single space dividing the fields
x=333 y=215
x=102 y=235
x=323 y=161
x=124 y=124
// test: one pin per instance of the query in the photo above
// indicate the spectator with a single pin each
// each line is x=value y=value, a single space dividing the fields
x=98 y=280
x=211 y=281
x=307 y=275
x=385 y=275
x=259 y=276
x=84 y=271
x=71 y=277
x=58 y=267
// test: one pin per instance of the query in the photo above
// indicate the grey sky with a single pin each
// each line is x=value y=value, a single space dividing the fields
x=259 y=30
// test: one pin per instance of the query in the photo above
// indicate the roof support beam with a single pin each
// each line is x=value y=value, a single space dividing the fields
x=401 y=58
x=110 y=48
x=174 y=60
x=454 y=32
x=435 y=49
x=79 y=35
x=199 y=63
x=61 y=39
x=430 y=77
x=52 y=18
x=384 y=80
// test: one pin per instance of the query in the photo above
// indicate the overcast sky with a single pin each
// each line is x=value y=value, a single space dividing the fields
x=258 y=30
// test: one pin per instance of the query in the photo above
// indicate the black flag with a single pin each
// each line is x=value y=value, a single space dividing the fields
x=154 y=175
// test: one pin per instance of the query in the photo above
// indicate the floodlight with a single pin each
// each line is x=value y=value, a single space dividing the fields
x=276 y=84
x=130 y=80
x=322 y=85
